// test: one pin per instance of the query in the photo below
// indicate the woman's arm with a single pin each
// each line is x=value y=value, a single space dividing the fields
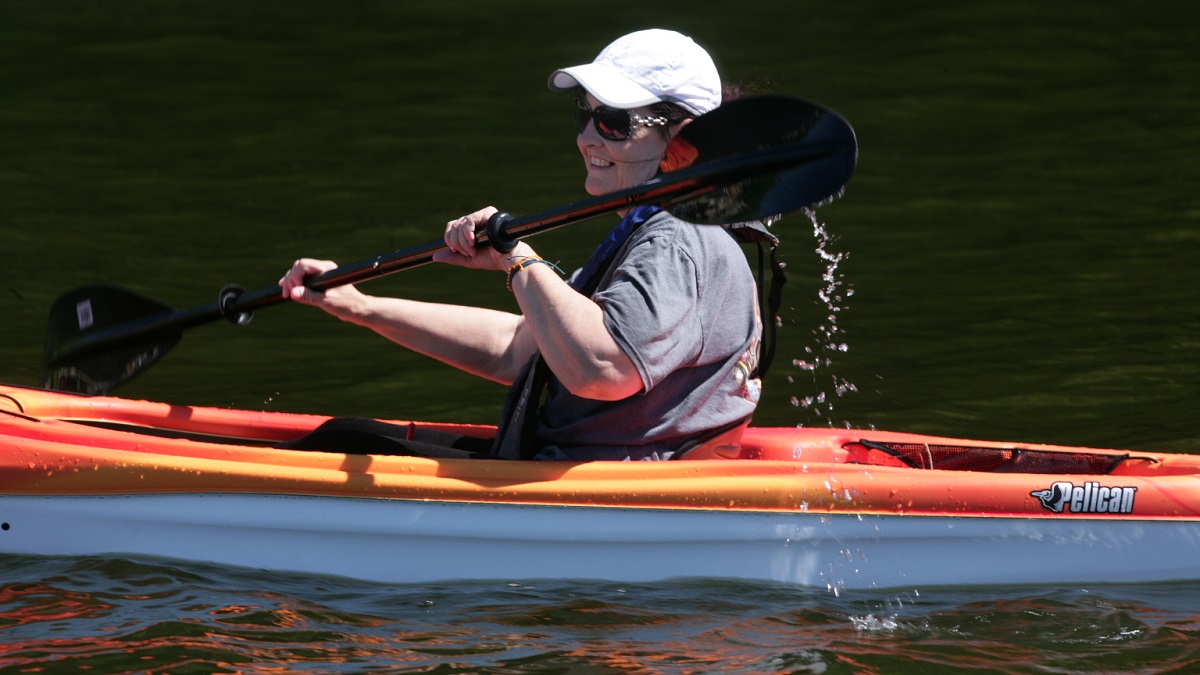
x=485 y=342
x=570 y=332
x=567 y=327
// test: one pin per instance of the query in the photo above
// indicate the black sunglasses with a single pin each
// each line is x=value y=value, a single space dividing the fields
x=614 y=124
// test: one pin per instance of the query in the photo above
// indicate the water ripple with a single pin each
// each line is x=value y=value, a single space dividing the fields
x=110 y=615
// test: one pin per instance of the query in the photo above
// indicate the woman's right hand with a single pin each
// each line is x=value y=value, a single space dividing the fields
x=337 y=300
x=462 y=248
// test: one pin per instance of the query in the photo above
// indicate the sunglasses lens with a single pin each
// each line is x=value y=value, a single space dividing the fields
x=583 y=115
x=611 y=123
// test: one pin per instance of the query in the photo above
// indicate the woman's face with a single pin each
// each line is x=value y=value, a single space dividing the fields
x=616 y=165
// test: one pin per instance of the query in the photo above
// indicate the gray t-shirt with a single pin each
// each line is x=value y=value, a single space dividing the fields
x=680 y=300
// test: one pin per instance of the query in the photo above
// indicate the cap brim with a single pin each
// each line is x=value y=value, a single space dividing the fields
x=604 y=82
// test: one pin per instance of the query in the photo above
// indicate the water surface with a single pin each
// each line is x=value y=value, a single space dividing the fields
x=107 y=615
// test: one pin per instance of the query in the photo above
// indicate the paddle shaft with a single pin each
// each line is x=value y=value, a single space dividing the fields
x=667 y=189
x=750 y=159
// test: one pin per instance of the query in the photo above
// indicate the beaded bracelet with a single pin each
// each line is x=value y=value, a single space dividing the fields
x=526 y=261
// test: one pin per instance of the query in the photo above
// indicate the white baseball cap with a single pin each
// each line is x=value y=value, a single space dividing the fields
x=647 y=67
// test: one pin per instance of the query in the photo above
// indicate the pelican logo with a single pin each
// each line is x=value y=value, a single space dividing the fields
x=1091 y=497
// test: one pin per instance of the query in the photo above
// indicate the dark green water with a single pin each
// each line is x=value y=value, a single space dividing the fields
x=1020 y=252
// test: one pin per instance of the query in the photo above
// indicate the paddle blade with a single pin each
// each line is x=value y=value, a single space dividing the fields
x=796 y=154
x=84 y=319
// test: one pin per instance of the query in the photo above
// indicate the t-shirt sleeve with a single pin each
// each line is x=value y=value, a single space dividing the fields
x=650 y=308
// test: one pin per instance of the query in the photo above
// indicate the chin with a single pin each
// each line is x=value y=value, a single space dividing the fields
x=596 y=188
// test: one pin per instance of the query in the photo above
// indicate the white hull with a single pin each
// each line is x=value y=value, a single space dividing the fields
x=405 y=541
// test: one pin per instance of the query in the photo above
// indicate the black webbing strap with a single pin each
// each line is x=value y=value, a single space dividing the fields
x=757 y=233
x=771 y=301
x=998 y=460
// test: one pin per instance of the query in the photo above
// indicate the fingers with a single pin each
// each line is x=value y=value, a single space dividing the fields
x=460 y=234
x=292 y=282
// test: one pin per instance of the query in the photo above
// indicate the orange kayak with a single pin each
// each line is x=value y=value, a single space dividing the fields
x=837 y=508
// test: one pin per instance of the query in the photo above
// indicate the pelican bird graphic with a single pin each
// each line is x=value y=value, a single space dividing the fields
x=1053 y=498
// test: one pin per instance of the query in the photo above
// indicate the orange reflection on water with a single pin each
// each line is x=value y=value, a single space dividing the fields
x=26 y=603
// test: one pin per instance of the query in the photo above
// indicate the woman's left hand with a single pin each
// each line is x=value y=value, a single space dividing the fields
x=464 y=249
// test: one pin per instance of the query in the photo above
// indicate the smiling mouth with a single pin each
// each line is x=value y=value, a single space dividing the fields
x=596 y=161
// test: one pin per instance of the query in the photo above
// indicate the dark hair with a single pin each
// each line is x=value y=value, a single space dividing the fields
x=674 y=114
x=735 y=90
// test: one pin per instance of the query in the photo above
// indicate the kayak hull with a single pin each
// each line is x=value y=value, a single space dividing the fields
x=404 y=541
x=814 y=507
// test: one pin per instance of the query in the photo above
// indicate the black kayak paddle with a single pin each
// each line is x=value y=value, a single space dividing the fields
x=749 y=159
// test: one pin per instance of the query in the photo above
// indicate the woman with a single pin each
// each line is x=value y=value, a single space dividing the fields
x=649 y=346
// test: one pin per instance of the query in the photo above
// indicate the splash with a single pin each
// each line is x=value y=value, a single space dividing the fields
x=872 y=623
x=828 y=337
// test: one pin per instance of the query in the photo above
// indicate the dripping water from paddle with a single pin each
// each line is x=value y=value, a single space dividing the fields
x=822 y=384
